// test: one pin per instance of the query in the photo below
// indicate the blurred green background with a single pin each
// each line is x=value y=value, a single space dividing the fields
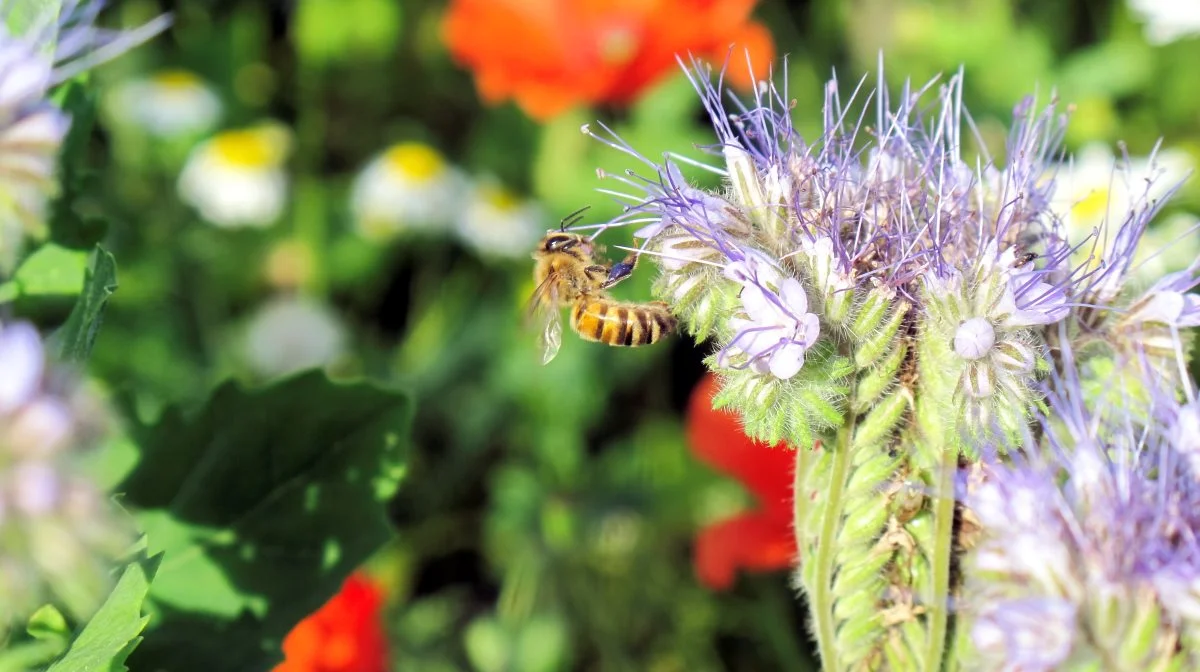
x=548 y=517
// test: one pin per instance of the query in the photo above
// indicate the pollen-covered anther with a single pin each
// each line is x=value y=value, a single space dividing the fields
x=974 y=338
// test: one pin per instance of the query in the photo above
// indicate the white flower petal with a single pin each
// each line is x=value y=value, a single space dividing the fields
x=787 y=361
x=22 y=361
x=791 y=292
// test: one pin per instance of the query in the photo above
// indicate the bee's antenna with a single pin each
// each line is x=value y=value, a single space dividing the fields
x=573 y=218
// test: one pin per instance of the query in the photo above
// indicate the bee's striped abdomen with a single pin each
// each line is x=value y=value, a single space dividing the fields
x=622 y=324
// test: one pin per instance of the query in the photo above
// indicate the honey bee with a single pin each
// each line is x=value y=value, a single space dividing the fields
x=567 y=274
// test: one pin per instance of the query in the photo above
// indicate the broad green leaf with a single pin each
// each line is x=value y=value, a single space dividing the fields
x=270 y=497
x=76 y=337
x=116 y=628
x=194 y=581
x=50 y=271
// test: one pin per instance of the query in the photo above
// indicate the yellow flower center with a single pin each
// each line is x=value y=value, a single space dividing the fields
x=250 y=148
x=1090 y=209
x=500 y=198
x=177 y=80
x=415 y=161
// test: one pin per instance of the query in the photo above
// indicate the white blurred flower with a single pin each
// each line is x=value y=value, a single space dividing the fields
x=291 y=333
x=408 y=186
x=495 y=223
x=1097 y=190
x=1167 y=20
x=170 y=103
x=236 y=178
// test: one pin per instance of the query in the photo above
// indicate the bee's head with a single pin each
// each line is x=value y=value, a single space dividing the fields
x=559 y=241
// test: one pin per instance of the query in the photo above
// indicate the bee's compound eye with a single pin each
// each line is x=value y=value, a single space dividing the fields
x=556 y=243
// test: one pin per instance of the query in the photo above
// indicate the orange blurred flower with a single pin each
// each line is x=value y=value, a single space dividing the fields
x=345 y=635
x=762 y=538
x=552 y=54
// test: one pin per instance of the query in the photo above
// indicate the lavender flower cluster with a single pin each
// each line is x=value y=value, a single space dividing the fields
x=912 y=316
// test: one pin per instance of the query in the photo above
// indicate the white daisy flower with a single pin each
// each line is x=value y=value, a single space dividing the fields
x=407 y=187
x=1098 y=189
x=1167 y=20
x=291 y=333
x=495 y=223
x=236 y=178
x=167 y=104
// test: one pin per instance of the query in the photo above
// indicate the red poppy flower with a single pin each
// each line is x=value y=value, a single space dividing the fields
x=552 y=54
x=761 y=539
x=345 y=635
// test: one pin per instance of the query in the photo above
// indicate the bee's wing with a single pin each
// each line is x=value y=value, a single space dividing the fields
x=544 y=316
x=551 y=339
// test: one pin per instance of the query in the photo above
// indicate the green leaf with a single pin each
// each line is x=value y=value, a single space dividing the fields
x=50 y=271
x=48 y=623
x=111 y=634
x=76 y=337
x=270 y=498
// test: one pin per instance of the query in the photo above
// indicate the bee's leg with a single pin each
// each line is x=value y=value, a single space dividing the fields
x=598 y=273
x=621 y=270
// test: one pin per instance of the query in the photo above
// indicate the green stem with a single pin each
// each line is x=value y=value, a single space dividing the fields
x=821 y=595
x=938 y=600
x=799 y=500
x=309 y=214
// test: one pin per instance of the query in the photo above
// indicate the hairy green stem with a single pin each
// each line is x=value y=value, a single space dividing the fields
x=938 y=599
x=821 y=595
x=799 y=499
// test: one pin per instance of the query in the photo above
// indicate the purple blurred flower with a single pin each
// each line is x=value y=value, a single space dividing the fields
x=1101 y=518
x=66 y=33
x=41 y=47
x=58 y=533
x=1031 y=635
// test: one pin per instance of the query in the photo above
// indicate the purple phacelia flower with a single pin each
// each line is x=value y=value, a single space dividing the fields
x=874 y=291
x=1102 y=515
x=884 y=201
x=777 y=329
x=1031 y=635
